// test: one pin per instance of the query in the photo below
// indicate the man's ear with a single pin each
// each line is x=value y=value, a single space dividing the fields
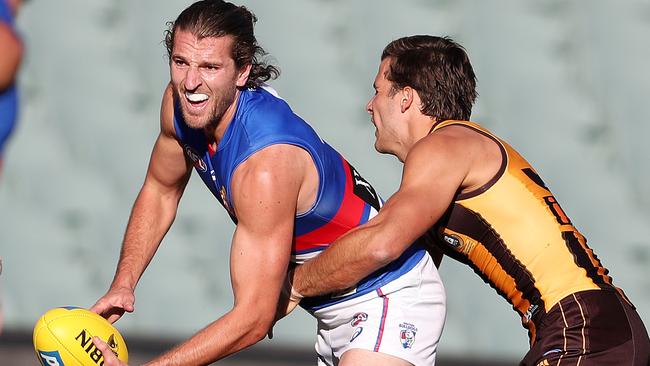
x=407 y=95
x=242 y=77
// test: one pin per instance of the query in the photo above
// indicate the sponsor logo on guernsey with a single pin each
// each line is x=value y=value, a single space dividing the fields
x=51 y=358
x=407 y=334
x=453 y=240
x=358 y=318
x=196 y=159
x=462 y=245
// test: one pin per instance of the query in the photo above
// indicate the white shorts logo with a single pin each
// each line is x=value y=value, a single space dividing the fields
x=407 y=337
x=407 y=334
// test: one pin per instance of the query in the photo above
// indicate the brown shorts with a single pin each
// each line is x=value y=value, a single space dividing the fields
x=587 y=328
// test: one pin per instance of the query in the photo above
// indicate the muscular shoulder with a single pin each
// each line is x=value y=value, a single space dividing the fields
x=457 y=151
x=276 y=172
x=273 y=163
x=167 y=113
x=440 y=147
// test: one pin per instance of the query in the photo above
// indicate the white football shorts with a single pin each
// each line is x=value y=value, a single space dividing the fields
x=403 y=318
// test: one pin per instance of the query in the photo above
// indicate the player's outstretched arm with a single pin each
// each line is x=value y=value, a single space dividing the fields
x=153 y=212
x=264 y=195
x=431 y=177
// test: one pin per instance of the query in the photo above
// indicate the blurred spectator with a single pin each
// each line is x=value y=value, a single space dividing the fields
x=11 y=49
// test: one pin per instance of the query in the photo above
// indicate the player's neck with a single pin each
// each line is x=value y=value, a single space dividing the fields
x=419 y=128
x=215 y=133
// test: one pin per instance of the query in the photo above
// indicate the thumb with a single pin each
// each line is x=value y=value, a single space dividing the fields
x=128 y=307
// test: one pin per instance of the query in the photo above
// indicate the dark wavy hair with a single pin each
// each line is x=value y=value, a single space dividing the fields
x=217 y=18
x=438 y=69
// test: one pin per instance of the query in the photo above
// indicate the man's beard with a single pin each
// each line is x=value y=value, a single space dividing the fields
x=221 y=102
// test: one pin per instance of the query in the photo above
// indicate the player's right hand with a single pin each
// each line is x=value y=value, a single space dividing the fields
x=113 y=305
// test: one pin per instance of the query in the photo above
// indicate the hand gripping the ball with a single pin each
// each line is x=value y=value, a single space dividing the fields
x=109 y=357
x=113 y=305
x=63 y=336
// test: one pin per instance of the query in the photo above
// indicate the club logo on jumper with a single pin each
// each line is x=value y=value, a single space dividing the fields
x=358 y=318
x=407 y=334
x=196 y=159
x=356 y=333
x=51 y=358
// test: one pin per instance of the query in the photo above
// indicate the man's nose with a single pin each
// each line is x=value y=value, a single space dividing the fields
x=369 y=105
x=192 y=78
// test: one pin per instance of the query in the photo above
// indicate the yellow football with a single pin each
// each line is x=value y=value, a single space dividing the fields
x=63 y=337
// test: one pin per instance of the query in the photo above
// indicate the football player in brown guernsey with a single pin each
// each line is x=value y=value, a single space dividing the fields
x=473 y=197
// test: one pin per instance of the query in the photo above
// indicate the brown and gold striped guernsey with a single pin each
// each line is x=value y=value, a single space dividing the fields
x=514 y=234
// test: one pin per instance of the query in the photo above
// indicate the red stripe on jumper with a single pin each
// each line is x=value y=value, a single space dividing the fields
x=382 y=323
x=347 y=217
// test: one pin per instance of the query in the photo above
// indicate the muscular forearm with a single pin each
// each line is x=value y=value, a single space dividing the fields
x=347 y=261
x=150 y=219
x=236 y=330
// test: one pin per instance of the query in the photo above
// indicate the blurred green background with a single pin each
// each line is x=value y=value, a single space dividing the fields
x=565 y=82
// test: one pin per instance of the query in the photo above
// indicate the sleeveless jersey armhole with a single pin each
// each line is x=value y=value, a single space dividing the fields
x=499 y=173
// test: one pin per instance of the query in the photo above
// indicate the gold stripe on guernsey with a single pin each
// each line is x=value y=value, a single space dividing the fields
x=525 y=230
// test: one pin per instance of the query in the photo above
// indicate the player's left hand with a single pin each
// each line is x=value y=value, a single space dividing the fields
x=109 y=357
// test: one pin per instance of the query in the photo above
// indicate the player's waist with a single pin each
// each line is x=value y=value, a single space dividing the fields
x=537 y=314
x=409 y=259
x=588 y=307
